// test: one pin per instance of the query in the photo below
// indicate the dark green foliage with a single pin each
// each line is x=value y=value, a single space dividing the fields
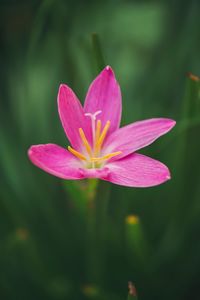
x=52 y=246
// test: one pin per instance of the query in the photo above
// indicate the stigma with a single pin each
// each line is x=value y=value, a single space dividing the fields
x=92 y=154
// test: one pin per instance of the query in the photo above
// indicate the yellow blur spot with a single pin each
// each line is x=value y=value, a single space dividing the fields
x=89 y=290
x=22 y=233
x=193 y=77
x=132 y=219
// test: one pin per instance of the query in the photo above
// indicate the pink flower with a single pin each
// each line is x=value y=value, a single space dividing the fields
x=99 y=148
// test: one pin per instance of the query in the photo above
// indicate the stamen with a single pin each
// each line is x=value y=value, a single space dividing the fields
x=107 y=156
x=102 y=136
x=98 y=138
x=76 y=153
x=97 y=135
x=110 y=155
x=85 y=141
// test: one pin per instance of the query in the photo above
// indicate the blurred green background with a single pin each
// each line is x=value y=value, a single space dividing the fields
x=50 y=246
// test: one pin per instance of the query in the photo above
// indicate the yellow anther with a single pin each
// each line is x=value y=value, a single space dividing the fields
x=105 y=157
x=97 y=135
x=85 y=141
x=77 y=154
x=102 y=136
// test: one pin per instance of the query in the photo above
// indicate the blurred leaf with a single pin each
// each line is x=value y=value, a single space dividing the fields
x=99 y=59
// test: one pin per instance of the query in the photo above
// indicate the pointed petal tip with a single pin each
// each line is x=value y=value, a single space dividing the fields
x=166 y=174
x=172 y=123
x=109 y=73
x=109 y=70
x=62 y=87
x=64 y=94
x=168 y=123
x=30 y=151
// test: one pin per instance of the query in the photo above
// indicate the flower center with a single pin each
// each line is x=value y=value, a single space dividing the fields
x=93 y=158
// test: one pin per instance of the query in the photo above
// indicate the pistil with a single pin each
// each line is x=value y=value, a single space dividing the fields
x=93 y=120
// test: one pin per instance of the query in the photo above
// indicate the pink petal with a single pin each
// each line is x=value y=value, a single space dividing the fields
x=72 y=116
x=55 y=160
x=137 y=135
x=104 y=94
x=95 y=173
x=137 y=170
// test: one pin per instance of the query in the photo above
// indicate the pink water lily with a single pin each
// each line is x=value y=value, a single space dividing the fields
x=99 y=148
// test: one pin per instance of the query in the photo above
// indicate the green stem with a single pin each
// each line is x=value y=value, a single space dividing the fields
x=97 y=231
x=98 y=54
x=136 y=241
x=91 y=189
